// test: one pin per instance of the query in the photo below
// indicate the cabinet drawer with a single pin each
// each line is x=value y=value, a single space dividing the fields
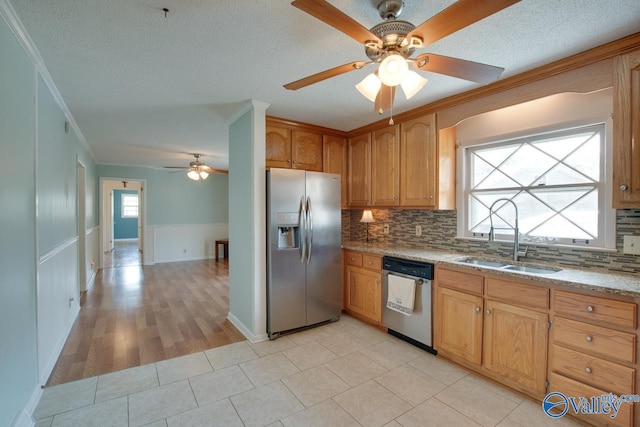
x=353 y=258
x=464 y=282
x=594 y=371
x=373 y=262
x=518 y=293
x=575 y=389
x=595 y=340
x=595 y=309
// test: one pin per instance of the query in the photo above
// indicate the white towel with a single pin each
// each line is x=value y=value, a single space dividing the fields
x=401 y=294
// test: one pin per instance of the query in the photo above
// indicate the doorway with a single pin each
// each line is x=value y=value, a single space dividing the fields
x=123 y=217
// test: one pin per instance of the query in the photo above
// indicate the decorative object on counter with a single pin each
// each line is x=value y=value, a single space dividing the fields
x=367 y=218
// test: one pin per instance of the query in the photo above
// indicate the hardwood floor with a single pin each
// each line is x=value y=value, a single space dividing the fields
x=125 y=252
x=136 y=315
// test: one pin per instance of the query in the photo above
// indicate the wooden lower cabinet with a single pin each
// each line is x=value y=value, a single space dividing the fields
x=459 y=325
x=515 y=344
x=363 y=286
x=502 y=339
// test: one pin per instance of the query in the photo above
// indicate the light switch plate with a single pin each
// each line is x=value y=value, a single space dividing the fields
x=631 y=245
x=385 y=229
x=418 y=230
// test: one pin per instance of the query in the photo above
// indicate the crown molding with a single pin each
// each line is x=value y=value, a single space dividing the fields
x=15 y=25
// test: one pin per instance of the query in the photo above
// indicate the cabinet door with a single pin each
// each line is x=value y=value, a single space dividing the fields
x=306 y=151
x=364 y=293
x=418 y=156
x=360 y=170
x=278 y=147
x=626 y=131
x=515 y=344
x=459 y=324
x=334 y=160
x=385 y=167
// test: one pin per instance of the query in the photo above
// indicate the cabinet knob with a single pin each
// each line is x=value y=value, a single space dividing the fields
x=477 y=309
x=588 y=338
x=590 y=308
x=624 y=187
x=395 y=197
x=431 y=197
x=353 y=259
x=370 y=263
x=487 y=311
x=288 y=161
x=587 y=370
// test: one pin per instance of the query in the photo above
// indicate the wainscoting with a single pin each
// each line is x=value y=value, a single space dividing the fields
x=184 y=242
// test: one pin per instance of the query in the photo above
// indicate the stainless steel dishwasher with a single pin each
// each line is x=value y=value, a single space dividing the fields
x=415 y=328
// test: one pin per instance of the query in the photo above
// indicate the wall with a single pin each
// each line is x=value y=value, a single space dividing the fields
x=247 y=226
x=439 y=233
x=18 y=361
x=123 y=228
x=39 y=289
x=184 y=217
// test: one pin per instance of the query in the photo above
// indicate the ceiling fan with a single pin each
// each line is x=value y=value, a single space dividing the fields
x=197 y=170
x=392 y=42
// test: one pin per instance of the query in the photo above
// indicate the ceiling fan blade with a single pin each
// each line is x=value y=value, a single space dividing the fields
x=384 y=99
x=333 y=16
x=457 y=16
x=176 y=167
x=209 y=169
x=323 y=75
x=460 y=68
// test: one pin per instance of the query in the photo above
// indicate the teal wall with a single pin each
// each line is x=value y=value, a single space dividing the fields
x=123 y=228
x=18 y=357
x=172 y=198
x=28 y=111
x=241 y=232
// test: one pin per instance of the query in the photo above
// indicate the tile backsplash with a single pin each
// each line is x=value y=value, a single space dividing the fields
x=439 y=233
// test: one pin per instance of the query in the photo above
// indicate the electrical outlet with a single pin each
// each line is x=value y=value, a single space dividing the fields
x=418 y=230
x=385 y=229
x=631 y=245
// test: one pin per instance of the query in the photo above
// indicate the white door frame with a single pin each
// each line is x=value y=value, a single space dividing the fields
x=108 y=184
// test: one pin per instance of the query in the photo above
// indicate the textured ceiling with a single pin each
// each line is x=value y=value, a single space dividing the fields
x=147 y=90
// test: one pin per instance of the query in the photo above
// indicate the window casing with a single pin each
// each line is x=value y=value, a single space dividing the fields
x=556 y=179
x=129 y=205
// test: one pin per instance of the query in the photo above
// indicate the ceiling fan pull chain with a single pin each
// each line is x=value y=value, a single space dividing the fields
x=391 y=109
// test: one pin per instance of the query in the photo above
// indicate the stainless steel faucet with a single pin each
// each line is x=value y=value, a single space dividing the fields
x=516 y=238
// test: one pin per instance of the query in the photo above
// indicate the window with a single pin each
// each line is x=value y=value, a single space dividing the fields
x=556 y=180
x=129 y=205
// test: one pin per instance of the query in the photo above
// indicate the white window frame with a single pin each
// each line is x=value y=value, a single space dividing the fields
x=124 y=205
x=606 y=233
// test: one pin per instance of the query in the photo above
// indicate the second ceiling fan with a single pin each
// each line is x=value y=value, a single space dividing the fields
x=392 y=42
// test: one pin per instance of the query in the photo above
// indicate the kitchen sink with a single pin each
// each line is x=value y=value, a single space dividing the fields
x=533 y=270
x=511 y=267
x=483 y=263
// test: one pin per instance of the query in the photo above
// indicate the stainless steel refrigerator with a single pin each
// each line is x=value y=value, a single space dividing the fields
x=303 y=249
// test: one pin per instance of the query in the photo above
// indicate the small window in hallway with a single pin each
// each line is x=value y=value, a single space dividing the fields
x=129 y=206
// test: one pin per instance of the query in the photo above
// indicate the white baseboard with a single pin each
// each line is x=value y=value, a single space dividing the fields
x=246 y=331
x=91 y=280
x=55 y=354
x=24 y=419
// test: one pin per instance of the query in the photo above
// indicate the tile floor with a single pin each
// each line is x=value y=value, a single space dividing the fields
x=341 y=374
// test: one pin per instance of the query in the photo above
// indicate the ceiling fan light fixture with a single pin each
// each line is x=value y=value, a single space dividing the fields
x=193 y=174
x=204 y=175
x=393 y=69
x=412 y=84
x=369 y=87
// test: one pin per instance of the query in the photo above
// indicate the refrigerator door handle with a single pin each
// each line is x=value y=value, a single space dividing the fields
x=303 y=230
x=310 y=229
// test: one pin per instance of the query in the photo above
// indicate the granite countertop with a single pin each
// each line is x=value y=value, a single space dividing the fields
x=599 y=281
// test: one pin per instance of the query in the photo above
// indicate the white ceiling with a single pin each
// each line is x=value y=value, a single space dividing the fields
x=147 y=90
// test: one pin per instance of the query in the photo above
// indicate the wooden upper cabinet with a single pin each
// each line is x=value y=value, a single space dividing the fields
x=626 y=131
x=360 y=170
x=418 y=162
x=278 y=147
x=306 y=151
x=385 y=167
x=334 y=160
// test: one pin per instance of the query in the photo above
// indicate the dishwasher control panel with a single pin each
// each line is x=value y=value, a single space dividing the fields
x=419 y=269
